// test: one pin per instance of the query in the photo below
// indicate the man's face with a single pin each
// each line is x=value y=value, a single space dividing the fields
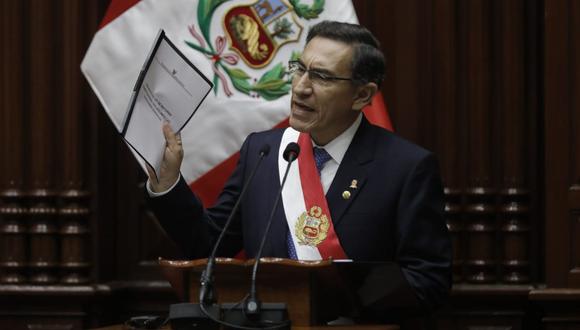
x=323 y=108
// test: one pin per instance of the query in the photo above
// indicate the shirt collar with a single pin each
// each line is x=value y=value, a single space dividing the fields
x=338 y=146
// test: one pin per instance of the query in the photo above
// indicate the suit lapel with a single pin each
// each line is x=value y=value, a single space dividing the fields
x=270 y=183
x=353 y=167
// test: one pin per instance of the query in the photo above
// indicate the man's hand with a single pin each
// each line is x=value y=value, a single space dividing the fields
x=171 y=164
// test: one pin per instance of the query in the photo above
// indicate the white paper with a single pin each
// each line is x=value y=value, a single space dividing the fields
x=171 y=90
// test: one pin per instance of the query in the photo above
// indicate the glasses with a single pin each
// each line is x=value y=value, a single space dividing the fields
x=297 y=69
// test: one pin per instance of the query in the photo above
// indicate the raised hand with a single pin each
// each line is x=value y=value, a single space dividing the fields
x=172 y=158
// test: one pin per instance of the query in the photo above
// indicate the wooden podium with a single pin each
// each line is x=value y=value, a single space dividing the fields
x=314 y=291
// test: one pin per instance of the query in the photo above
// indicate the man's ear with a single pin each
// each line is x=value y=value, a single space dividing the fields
x=364 y=95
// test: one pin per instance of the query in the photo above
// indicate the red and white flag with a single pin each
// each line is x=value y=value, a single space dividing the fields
x=242 y=46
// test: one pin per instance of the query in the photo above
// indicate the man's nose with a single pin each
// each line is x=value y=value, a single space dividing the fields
x=302 y=84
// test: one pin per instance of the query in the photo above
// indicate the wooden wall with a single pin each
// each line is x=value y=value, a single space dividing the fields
x=47 y=168
x=561 y=221
x=490 y=85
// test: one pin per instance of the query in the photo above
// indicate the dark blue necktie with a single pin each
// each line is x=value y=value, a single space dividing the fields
x=320 y=158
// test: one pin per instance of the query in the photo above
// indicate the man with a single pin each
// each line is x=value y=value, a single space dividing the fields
x=363 y=194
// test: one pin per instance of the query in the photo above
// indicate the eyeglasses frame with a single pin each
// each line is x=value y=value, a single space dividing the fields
x=322 y=76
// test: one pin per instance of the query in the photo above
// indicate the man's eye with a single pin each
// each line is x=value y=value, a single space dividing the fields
x=318 y=76
x=298 y=69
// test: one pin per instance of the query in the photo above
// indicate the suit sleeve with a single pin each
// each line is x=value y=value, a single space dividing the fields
x=192 y=227
x=424 y=246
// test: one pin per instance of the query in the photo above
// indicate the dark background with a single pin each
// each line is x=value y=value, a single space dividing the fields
x=491 y=86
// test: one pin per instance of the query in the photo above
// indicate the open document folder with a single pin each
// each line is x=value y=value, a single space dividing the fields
x=169 y=88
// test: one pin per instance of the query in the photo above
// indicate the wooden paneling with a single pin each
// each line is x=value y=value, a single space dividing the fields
x=480 y=191
x=45 y=142
x=514 y=189
x=575 y=245
x=12 y=209
x=40 y=110
x=44 y=201
x=73 y=193
x=574 y=151
x=445 y=100
x=559 y=302
x=562 y=102
x=561 y=308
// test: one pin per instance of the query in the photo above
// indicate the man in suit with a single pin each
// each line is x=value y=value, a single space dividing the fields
x=373 y=195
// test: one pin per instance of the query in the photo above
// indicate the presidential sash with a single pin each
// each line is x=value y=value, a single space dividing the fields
x=305 y=205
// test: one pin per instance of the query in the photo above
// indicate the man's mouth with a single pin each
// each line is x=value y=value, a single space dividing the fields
x=302 y=107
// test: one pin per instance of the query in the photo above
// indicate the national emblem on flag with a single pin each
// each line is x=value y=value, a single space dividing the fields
x=257 y=30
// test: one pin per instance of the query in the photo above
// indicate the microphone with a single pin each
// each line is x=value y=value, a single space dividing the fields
x=206 y=295
x=252 y=306
x=291 y=153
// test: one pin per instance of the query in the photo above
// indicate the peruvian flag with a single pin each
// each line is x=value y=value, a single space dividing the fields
x=242 y=46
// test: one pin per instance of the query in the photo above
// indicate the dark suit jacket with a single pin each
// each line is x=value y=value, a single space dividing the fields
x=395 y=214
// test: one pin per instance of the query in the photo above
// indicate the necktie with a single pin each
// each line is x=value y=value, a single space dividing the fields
x=321 y=156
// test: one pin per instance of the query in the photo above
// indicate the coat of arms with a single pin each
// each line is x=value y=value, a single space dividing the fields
x=255 y=32
x=312 y=227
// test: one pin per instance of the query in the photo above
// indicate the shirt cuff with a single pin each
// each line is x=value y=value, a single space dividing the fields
x=153 y=194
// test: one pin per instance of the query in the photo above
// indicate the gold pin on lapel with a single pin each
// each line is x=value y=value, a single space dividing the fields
x=346 y=194
x=353 y=184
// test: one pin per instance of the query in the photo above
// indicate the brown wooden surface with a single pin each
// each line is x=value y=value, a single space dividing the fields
x=361 y=327
x=561 y=307
x=174 y=270
x=562 y=160
x=74 y=209
x=41 y=133
x=12 y=229
x=311 y=289
x=555 y=294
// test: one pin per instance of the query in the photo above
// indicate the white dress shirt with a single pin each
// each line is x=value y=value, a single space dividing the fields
x=336 y=149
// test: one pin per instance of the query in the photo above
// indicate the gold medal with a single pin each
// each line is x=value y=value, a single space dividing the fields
x=312 y=227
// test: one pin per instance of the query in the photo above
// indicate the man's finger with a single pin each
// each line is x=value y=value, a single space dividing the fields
x=170 y=136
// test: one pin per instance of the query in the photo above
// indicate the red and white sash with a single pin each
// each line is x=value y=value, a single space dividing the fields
x=305 y=205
